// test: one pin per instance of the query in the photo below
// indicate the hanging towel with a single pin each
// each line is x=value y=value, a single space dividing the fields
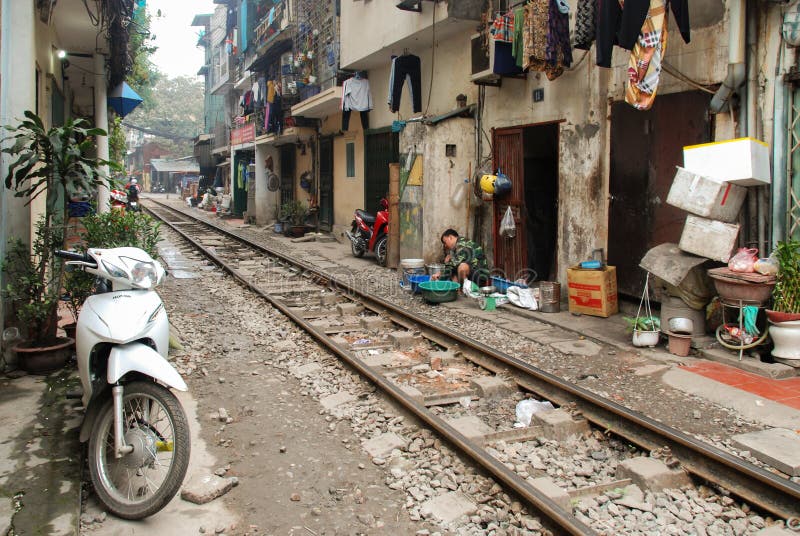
x=644 y=66
x=518 y=43
x=503 y=27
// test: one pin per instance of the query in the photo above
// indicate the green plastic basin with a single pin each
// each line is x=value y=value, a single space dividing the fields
x=439 y=291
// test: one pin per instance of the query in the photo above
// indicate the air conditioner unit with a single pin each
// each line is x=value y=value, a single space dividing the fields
x=489 y=67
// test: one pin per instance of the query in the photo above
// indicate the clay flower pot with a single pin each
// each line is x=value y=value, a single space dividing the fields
x=44 y=359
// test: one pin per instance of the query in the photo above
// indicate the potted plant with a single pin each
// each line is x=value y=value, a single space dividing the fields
x=645 y=329
x=295 y=213
x=54 y=163
x=785 y=313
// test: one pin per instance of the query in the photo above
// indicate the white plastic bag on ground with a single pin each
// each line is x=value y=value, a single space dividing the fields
x=468 y=291
x=526 y=409
x=522 y=297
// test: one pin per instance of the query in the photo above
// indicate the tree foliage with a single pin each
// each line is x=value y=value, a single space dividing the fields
x=177 y=110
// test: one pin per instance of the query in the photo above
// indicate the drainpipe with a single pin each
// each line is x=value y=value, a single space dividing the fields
x=779 y=160
x=736 y=56
x=101 y=121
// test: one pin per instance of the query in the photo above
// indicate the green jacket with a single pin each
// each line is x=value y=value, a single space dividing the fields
x=469 y=252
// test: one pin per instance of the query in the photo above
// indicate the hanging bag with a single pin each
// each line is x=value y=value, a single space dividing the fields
x=507 y=226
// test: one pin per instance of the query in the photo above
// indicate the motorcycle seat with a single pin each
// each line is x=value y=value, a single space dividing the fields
x=366 y=216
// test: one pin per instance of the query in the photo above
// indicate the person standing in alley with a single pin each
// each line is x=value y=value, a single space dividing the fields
x=464 y=259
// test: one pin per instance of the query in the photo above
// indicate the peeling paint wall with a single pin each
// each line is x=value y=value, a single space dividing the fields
x=443 y=176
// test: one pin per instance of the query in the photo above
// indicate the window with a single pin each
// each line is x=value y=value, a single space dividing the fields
x=350 y=149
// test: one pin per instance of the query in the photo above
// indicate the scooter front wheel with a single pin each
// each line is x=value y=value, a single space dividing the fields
x=142 y=482
x=381 y=250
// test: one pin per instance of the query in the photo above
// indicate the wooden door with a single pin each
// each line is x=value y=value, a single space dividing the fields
x=510 y=254
x=645 y=148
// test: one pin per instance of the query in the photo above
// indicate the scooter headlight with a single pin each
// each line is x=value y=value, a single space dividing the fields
x=144 y=275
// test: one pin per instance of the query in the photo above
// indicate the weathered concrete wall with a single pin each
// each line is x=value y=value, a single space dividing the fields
x=389 y=26
x=442 y=177
x=348 y=192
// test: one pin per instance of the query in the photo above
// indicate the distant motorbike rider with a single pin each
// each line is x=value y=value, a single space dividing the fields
x=133 y=195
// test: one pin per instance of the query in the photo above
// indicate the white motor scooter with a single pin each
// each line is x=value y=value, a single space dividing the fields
x=138 y=435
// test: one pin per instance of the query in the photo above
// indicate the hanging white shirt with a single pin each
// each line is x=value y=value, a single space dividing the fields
x=356 y=95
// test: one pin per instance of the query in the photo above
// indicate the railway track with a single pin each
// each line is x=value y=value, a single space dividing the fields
x=467 y=392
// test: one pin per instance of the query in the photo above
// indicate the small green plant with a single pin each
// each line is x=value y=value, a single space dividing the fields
x=294 y=212
x=117 y=228
x=786 y=293
x=642 y=323
x=33 y=281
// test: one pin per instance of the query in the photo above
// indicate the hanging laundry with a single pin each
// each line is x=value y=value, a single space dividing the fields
x=558 y=52
x=585 y=22
x=503 y=27
x=620 y=24
x=518 y=41
x=534 y=35
x=271 y=91
x=644 y=67
x=406 y=68
x=356 y=96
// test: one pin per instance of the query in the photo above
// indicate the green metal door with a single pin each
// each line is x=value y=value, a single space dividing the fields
x=381 y=148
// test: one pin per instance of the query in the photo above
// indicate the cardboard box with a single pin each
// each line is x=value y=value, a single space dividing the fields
x=593 y=292
x=706 y=197
x=743 y=161
x=708 y=238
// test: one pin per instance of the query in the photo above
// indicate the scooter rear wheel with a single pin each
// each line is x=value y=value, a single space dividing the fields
x=358 y=249
x=140 y=483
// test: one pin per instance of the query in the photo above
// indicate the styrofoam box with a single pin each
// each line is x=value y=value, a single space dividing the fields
x=706 y=197
x=708 y=238
x=743 y=161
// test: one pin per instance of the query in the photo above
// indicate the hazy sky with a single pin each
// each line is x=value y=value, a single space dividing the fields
x=178 y=53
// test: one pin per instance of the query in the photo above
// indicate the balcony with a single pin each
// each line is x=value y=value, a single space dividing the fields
x=392 y=30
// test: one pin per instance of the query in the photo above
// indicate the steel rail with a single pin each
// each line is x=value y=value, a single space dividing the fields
x=772 y=493
x=544 y=504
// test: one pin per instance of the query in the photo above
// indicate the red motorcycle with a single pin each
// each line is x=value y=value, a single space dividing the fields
x=370 y=233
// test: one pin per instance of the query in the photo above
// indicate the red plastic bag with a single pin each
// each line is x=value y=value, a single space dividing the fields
x=744 y=260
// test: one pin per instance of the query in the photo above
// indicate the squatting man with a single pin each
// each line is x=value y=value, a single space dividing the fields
x=464 y=259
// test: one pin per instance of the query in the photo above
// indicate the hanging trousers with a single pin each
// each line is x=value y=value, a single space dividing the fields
x=406 y=68
x=346 y=119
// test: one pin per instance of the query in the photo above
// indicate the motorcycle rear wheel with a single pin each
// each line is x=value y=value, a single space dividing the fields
x=357 y=246
x=380 y=250
x=142 y=482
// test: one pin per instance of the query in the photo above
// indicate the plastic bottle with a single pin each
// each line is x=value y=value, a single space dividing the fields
x=460 y=193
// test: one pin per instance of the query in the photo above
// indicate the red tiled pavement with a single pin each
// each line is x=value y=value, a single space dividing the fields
x=786 y=392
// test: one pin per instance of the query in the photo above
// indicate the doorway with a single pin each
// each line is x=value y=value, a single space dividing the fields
x=529 y=156
x=326 y=183
x=645 y=148
x=287 y=173
x=381 y=148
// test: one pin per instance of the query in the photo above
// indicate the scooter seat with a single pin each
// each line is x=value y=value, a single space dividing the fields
x=366 y=216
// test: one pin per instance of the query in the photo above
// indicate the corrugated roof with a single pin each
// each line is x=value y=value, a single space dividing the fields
x=175 y=166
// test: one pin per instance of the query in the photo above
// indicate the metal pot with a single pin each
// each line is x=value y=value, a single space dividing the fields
x=434 y=269
x=681 y=325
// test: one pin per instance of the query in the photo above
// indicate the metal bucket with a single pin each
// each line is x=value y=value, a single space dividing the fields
x=434 y=269
x=550 y=297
